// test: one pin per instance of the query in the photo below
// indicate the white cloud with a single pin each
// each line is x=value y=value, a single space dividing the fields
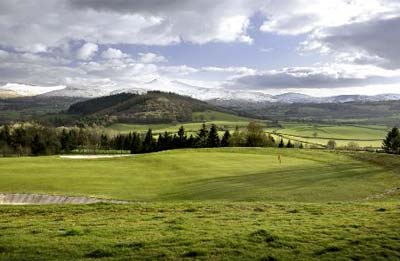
x=153 y=22
x=231 y=69
x=112 y=53
x=325 y=76
x=294 y=17
x=151 y=58
x=87 y=51
x=43 y=45
x=34 y=48
x=29 y=90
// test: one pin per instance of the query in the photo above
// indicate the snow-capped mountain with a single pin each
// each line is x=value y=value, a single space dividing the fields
x=296 y=98
x=183 y=88
x=16 y=90
x=69 y=91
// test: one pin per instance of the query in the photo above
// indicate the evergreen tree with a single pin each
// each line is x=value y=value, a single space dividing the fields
x=149 y=144
x=135 y=146
x=104 y=143
x=5 y=140
x=225 y=141
x=191 y=141
x=167 y=141
x=202 y=136
x=181 y=138
x=38 y=147
x=281 y=144
x=65 y=141
x=391 y=144
x=213 y=138
x=290 y=144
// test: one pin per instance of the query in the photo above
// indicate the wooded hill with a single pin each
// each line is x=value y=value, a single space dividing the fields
x=152 y=107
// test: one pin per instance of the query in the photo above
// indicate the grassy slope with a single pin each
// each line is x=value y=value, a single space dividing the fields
x=181 y=222
x=217 y=116
x=171 y=231
x=221 y=174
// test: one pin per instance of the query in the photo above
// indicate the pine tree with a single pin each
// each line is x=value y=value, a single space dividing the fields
x=65 y=140
x=38 y=147
x=181 y=139
x=190 y=142
x=225 y=142
x=213 y=138
x=391 y=144
x=135 y=143
x=281 y=144
x=202 y=134
x=149 y=144
x=104 y=144
x=5 y=140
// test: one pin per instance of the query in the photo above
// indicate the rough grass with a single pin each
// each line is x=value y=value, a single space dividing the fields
x=232 y=174
x=208 y=204
x=209 y=231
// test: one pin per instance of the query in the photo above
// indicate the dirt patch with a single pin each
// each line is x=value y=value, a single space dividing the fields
x=40 y=199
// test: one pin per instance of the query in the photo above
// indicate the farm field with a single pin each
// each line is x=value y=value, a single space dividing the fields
x=312 y=134
x=363 y=135
x=219 y=204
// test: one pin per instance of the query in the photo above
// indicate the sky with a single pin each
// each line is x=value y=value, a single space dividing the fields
x=314 y=47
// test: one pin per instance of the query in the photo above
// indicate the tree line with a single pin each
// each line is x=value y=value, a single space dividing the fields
x=33 y=139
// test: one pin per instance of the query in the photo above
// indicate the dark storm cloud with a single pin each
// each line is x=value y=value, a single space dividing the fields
x=377 y=38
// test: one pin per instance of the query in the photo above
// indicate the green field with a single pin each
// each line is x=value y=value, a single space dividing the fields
x=222 y=120
x=209 y=204
x=307 y=133
x=363 y=135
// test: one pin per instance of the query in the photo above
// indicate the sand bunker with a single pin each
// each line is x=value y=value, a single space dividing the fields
x=94 y=156
x=39 y=199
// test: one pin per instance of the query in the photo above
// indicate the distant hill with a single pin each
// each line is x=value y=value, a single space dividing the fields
x=32 y=108
x=152 y=107
x=356 y=112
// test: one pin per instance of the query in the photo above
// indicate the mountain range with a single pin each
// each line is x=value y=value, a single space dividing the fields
x=183 y=88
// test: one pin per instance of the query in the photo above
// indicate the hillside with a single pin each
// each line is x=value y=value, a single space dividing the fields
x=370 y=112
x=33 y=108
x=152 y=107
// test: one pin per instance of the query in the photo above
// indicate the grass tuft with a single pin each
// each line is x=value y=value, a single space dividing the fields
x=72 y=232
x=99 y=253
x=193 y=253
x=262 y=235
x=328 y=249
x=133 y=245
